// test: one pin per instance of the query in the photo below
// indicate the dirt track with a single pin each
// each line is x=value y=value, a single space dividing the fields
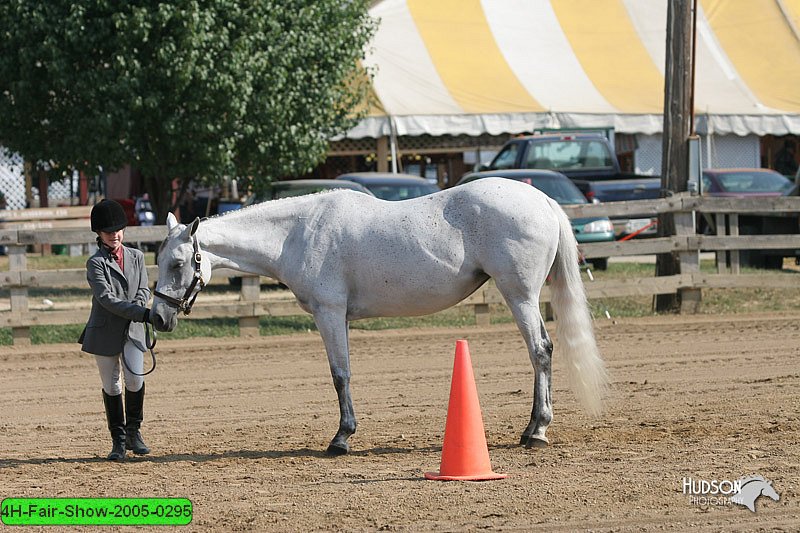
x=240 y=427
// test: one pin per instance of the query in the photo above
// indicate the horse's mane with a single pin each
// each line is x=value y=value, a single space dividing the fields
x=749 y=479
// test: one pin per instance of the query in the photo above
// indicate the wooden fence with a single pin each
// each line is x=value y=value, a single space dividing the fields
x=251 y=304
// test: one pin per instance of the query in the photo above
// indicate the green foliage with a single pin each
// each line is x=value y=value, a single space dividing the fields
x=184 y=89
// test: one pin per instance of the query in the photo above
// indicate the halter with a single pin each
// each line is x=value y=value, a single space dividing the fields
x=185 y=303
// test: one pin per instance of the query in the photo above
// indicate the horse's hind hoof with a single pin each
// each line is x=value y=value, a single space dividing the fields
x=537 y=442
x=334 y=450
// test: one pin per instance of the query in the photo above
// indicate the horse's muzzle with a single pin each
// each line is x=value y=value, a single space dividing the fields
x=161 y=323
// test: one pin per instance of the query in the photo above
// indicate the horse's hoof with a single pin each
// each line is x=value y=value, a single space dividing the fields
x=335 y=450
x=523 y=440
x=537 y=442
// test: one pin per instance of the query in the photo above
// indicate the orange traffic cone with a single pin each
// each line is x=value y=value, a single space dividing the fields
x=465 y=455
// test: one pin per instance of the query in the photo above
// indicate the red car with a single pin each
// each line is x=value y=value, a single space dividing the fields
x=745 y=182
x=750 y=183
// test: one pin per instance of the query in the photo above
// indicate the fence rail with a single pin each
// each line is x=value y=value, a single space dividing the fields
x=251 y=303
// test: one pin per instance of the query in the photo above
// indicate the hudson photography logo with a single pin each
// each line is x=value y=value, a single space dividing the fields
x=743 y=491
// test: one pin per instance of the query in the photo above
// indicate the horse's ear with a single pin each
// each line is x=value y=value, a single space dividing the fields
x=195 y=225
x=172 y=222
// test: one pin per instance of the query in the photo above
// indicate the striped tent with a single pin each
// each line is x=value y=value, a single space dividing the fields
x=472 y=67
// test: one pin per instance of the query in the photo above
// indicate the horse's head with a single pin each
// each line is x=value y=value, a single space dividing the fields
x=183 y=270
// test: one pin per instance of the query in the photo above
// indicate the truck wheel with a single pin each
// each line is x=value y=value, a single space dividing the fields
x=773 y=262
x=751 y=259
x=600 y=263
x=756 y=259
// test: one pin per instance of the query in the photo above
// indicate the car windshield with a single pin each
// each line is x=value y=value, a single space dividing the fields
x=568 y=154
x=401 y=192
x=506 y=158
x=745 y=181
x=562 y=191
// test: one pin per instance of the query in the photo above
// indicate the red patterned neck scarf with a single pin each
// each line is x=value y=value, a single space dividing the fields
x=117 y=255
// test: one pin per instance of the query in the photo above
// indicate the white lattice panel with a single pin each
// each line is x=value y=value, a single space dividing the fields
x=727 y=151
x=12 y=183
x=647 y=157
x=12 y=179
x=59 y=192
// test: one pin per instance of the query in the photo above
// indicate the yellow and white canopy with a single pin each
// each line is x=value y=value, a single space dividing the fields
x=508 y=66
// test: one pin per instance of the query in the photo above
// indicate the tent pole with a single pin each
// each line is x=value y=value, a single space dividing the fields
x=393 y=143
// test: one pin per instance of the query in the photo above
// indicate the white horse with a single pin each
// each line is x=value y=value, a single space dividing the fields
x=347 y=256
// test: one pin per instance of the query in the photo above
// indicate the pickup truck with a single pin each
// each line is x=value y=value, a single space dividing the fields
x=590 y=162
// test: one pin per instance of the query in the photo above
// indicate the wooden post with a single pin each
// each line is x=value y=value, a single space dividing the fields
x=722 y=255
x=83 y=189
x=733 y=218
x=382 y=154
x=482 y=316
x=18 y=261
x=547 y=311
x=251 y=292
x=28 y=170
x=678 y=126
x=689 y=297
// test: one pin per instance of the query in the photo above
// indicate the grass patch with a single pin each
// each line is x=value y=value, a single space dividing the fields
x=453 y=317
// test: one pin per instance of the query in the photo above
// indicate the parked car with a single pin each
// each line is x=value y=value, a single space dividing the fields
x=388 y=186
x=745 y=182
x=561 y=189
x=753 y=183
x=289 y=188
x=621 y=191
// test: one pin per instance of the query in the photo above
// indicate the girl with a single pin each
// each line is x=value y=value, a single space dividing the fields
x=118 y=278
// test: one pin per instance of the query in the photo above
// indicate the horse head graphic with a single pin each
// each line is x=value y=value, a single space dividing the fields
x=751 y=488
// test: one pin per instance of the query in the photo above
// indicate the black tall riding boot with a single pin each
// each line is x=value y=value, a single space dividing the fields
x=134 y=408
x=115 y=415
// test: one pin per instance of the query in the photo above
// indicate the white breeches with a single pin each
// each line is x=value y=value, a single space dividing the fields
x=111 y=370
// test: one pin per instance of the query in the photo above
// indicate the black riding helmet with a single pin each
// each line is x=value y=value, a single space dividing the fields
x=108 y=216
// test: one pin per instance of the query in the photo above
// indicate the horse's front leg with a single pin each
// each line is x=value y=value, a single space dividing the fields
x=333 y=327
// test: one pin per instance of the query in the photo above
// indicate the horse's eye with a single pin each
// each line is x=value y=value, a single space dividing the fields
x=178 y=265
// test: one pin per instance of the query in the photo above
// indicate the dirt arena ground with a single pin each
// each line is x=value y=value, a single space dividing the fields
x=240 y=426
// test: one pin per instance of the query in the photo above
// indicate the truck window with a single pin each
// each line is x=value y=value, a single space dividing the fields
x=568 y=154
x=597 y=156
x=507 y=158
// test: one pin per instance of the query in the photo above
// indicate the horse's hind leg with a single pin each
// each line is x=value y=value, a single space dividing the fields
x=333 y=328
x=540 y=349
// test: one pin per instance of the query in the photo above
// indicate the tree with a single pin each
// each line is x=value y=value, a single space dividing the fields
x=189 y=89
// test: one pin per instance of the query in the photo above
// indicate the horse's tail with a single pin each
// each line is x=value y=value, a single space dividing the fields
x=587 y=373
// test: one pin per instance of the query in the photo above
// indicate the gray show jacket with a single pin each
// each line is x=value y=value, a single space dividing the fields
x=119 y=301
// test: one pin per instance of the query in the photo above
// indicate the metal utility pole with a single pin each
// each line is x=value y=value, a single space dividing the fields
x=678 y=126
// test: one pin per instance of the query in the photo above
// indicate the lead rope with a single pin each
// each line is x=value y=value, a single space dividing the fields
x=150 y=346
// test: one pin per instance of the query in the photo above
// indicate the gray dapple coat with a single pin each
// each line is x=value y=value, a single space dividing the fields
x=119 y=302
